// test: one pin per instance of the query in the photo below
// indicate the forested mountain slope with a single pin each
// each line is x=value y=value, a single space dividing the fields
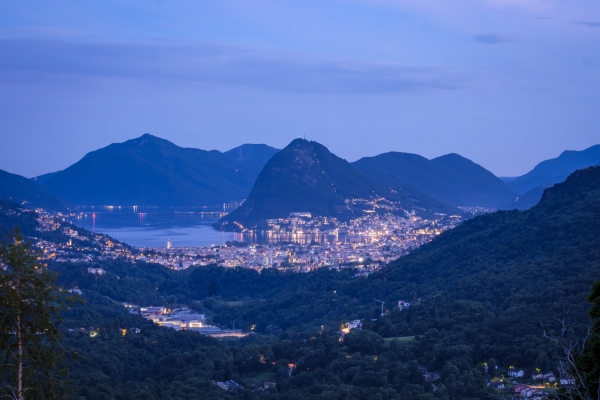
x=452 y=178
x=252 y=157
x=306 y=176
x=482 y=292
x=19 y=189
x=487 y=284
x=155 y=172
x=525 y=201
x=556 y=169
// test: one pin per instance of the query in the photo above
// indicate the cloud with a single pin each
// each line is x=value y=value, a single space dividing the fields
x=491 y=38
x=38 y=61
x=587 y=24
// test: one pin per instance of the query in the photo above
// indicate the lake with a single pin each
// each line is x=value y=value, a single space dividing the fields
x=153 y=227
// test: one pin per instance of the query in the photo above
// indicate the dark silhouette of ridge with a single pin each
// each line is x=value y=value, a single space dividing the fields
x=555 y=170
x=152 y=171
x=452 y=178
x=306 y=176
x=19 y=189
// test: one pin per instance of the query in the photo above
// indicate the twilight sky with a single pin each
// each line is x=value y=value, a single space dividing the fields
x=506 y=83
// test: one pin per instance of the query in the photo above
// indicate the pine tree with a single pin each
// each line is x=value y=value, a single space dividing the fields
x=29 y=339
x=589 y=361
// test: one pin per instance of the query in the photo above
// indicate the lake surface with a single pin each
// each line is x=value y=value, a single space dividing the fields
x=153 y=227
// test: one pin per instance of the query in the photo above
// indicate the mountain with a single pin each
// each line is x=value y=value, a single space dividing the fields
x=19 y=189
x=555 y=170
x=524 y=267
x=525 y=201
x=252 y=157
x=307 y=177
x=451 y=178
x=155 y=172
x=484 y=292
x=478 y=291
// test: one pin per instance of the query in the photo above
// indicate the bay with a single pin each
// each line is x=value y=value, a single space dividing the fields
x=154 y=227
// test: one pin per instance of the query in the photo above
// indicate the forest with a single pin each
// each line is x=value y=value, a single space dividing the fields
x=481 y=295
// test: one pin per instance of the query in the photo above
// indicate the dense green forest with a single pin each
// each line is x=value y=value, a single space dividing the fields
x=484 y=292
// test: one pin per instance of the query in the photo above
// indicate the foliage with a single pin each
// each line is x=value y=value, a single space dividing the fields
x=589 y=361
x=479 y=294
x=28 y=305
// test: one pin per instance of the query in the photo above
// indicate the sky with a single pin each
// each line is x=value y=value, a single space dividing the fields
x=505 y=83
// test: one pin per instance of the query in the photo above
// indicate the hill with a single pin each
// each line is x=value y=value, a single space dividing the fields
x=154 y=172
x=479 y=294
x=555 y=170
x=451 y=178
x=252 y=157
x=525 y=201
x=525 y=268
x=20 y=189
x=479 y=291
x=307 y=177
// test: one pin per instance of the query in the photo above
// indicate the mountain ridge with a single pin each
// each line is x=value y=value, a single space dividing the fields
x=555 y=170
x=306 y=176
x=152 y=171
x=18 y=189
x=451 y=178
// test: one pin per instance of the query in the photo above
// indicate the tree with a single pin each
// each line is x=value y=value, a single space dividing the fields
x=589 y=362
x=580 y=363
x=29 y=302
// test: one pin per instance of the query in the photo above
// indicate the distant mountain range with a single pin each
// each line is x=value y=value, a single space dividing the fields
x=531 y=185
x=306 y=177
x=251 y=157
x=19 y=189
x=451 y=178
x=153 y=171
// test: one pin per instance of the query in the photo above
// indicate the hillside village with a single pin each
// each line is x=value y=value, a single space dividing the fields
x=297 y=243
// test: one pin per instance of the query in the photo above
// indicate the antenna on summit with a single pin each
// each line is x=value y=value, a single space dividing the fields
x=305 y=135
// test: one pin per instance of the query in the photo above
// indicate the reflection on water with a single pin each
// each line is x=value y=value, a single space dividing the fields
x=153 y=227
x=299 y=238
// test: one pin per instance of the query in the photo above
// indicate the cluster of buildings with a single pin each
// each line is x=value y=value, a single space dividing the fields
x=81 y=246
x=537 y=385
x=181 y=318
x=300 y=242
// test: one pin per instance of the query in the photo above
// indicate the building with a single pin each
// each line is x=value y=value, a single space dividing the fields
x=497 y=385
x=403 y=304
x=229 y=385
x=96 y=271
x=516 y=373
